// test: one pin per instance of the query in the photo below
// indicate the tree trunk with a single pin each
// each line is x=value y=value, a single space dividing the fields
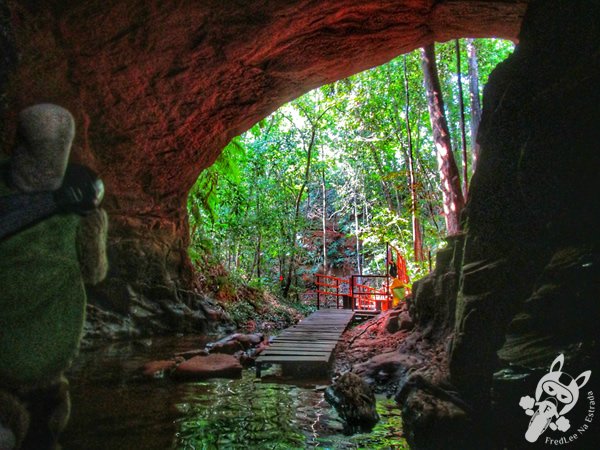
x=259 y=238
x=324 y=219
x=290 y=273
x=416 y=226
x=384 y=186
x=450 y=180
x=463 y=134
x=475 y=101
x=309 y=148
x=356 y=232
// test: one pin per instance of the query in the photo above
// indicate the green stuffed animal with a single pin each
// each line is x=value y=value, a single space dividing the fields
x=43 y=268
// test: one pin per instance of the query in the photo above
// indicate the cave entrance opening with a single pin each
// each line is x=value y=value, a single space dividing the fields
x=321 y=184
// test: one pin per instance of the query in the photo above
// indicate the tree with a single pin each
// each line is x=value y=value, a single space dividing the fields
x=448 y=171
x=463 y=134
x=474 y=96
x=416 y=225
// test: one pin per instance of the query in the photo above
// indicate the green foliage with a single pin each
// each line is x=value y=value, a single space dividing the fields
x=259 y=209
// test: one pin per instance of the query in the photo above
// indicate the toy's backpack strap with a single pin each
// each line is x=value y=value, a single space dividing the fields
x=81 y=192
x=19 y=211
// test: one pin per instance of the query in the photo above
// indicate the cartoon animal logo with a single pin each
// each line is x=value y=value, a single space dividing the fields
x=556 y=394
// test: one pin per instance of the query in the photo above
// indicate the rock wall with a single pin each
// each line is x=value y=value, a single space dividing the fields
x=8 y=52
x=527 y=287
x=158 y=88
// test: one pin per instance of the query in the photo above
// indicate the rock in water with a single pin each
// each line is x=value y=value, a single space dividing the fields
x=354 y=401
x=212 y=366
x=157 y=369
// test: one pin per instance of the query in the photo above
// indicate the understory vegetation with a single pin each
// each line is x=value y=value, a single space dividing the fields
x=323 y=183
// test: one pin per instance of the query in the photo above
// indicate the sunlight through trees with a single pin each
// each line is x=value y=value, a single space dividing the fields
x=325 y=181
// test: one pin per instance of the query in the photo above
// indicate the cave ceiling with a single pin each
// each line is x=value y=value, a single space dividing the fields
x=159 y=88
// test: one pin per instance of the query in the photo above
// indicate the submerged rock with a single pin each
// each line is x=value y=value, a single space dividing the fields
x=191 y=353
x=354 y=401
x=157 y=369
x=215 y=365
x=235 y=342
x=224 y=358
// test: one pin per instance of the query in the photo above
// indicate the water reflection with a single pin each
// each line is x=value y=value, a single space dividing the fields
x=115 y=409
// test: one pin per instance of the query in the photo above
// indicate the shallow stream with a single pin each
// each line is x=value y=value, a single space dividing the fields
x=114 y=408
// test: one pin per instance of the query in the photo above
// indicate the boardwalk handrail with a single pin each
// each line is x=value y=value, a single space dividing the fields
x=381 y=298
x=361 y=296
x=336 y=284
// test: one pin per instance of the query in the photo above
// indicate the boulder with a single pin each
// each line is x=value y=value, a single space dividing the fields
x=392 y=323
x=354 y=401
x=405 y=322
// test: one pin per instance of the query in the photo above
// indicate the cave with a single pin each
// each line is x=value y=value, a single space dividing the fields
x=158 y=89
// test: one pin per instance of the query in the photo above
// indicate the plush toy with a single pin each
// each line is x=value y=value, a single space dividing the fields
x=54 y=240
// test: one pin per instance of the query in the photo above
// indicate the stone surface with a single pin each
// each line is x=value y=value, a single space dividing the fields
x=211 y=366
x=433 y=303
x=158 y=89
x=533 y=195
x=392 y=322
x=354 y=401
x=433 y=421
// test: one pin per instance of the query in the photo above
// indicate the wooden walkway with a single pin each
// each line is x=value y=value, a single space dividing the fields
x=306 y=349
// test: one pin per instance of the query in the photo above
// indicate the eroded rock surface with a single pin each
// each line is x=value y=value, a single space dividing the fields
x=158 y=88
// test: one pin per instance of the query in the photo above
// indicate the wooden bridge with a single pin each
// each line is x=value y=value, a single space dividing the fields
x=306 y=349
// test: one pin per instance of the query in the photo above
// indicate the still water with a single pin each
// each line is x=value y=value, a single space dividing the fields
x=114 y=408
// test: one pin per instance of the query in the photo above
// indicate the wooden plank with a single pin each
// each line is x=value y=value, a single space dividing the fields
x=300 y=339
x=298 y=350
x=308 y=336
x=301 y=345
x=295 y=353
x=299 y=334
x=294 y=358
x=308 y=341
x=317 y=331
x=306 y=331
x=322 y=331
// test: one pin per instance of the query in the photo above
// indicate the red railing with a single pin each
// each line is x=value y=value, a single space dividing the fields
x=356 y=292
x=335 y=286
x=366 y=292
x=367 y=297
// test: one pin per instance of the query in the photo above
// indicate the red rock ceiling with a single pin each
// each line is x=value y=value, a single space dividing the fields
x=158 y=88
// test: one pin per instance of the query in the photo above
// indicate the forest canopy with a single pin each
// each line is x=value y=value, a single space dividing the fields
x=323 y=183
